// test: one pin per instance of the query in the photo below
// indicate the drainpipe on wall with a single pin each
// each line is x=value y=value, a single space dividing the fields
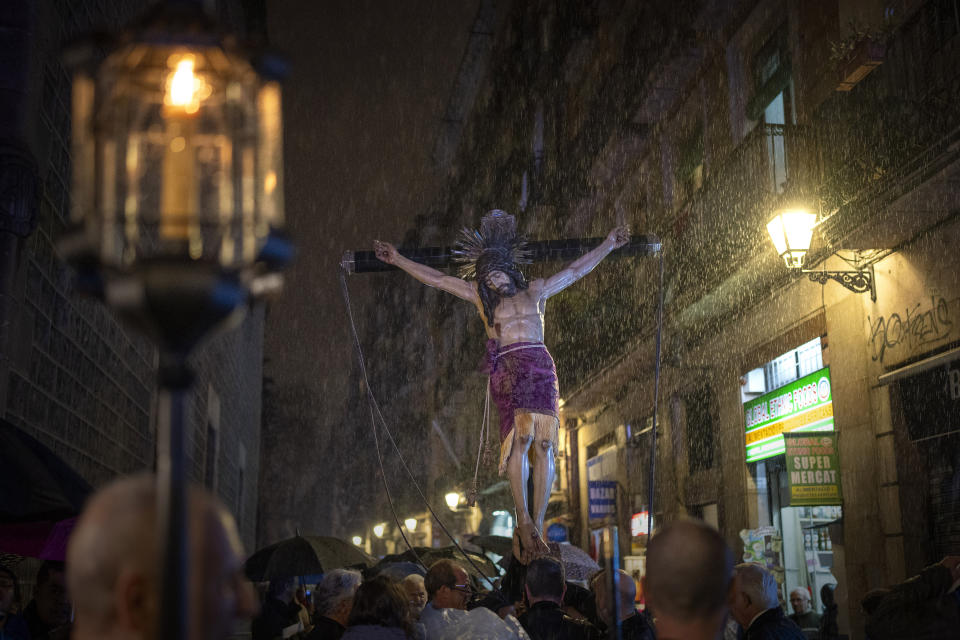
x=19 y=185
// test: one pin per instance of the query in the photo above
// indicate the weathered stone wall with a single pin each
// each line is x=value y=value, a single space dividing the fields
x=70 y=374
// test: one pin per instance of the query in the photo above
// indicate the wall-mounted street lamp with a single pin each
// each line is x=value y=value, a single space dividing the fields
x=453 y=499
x=357 y=541
x=379 y=529
x=176 y=210
x=791 y=231
x=411 y=524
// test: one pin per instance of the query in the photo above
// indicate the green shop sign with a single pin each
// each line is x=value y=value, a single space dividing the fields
x=803 y=405
x=813 y=469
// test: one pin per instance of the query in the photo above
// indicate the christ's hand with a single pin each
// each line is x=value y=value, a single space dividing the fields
x=619 y=235
x=385 y=251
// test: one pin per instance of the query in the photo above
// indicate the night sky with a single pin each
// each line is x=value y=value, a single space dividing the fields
x=363 y=103
x=368 y=85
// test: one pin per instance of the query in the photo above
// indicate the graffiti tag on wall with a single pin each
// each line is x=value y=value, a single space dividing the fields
x=916 y=327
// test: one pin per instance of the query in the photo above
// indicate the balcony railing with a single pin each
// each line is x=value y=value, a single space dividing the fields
x=720 y=224
x=900 y=120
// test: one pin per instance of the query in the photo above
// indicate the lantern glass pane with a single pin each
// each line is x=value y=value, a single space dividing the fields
x=83 y=149
x=270 y=178
x=798 y=229
x=775 y=229
x=176 y=144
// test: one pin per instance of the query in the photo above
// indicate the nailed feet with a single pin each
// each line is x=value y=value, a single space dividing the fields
x=528 y=544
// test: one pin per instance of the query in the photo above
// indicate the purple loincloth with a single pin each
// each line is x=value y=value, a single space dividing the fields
x=523 y=378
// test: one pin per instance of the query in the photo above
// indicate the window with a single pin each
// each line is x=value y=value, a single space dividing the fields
x=690 y=165
x=212 y=452
x=794 y=364
x=701 y=442
x=241 y=483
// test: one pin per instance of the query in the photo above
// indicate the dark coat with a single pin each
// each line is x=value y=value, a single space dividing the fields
x=547 y=621
x=15 y=628
x=275 y=616
x=919 y=608
x=808 y=620
x=637 y=627
x=773 y=625
x=325 y=629
x=374 y=632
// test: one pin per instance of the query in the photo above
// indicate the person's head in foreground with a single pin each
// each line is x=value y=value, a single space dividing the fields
x=626 y=594
x=333 y=596
x=800 y=600
x=448 y=585
x=756 y=592
x=545 y=581
x=380 y=602
x=113 y=561
x=688 y=581
x=416 y=593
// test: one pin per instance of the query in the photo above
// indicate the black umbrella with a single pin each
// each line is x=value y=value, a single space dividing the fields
x=500 y=545
x=304 y=555
x=429 y=555
x=35 y=483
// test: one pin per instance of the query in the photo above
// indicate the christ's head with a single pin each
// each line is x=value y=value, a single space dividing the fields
x=502 y=283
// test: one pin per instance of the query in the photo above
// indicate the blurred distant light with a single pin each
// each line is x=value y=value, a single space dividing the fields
x=411 y=524
x=379 y=529
x=453 y=499
x=357 y=540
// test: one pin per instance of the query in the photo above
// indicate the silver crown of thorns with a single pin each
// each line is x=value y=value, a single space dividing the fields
x=498 y=233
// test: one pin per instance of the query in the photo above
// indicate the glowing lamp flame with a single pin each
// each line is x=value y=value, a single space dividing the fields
x=185 y=89
x=791 y=233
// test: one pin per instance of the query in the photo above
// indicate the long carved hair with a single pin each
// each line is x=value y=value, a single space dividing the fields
x=493 y=260
x=494 y=247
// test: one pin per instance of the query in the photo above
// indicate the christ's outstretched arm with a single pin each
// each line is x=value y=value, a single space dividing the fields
x=429 y=276
x=583 y=265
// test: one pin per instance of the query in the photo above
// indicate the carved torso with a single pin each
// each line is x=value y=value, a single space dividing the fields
x=519 y=318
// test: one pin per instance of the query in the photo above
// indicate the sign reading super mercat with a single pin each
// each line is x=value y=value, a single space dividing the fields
x=813 y=469
x=802 y=405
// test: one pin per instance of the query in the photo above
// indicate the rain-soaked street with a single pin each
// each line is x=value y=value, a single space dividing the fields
x=277 y=358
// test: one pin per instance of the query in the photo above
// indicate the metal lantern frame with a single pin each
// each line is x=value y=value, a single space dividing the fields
x=177 y=211
x=791 y=236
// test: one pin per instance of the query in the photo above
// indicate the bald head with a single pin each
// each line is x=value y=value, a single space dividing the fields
x=689 y=571
x=113 y=559
x=626 y=594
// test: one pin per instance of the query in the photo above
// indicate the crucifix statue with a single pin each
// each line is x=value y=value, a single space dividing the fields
x=523 y=377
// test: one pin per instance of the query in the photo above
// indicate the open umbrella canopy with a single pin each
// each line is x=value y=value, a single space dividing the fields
x=304 y=555
x=500 y=545
x=36 y=485
x=577 y=563
x=429 y=555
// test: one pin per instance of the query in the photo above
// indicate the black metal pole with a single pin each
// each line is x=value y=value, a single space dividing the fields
x=611 y=543
x=172 y=500
x=540 y=251
x=656 y=409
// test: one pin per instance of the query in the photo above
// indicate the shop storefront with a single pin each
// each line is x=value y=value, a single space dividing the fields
x=792 y=458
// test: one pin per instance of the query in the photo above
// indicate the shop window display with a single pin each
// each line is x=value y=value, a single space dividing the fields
x=796 y=543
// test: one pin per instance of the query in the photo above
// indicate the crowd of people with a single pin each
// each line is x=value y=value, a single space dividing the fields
x=107 y=590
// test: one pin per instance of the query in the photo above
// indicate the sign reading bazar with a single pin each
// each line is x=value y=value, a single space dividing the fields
x=813 y=469
x=602 y=498
x=800 y=406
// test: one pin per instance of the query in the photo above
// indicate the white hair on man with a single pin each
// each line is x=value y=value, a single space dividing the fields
x=759 y=584
x=336 y=587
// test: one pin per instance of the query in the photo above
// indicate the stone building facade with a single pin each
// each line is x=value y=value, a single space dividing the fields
x=698 y=121
x=70 y=374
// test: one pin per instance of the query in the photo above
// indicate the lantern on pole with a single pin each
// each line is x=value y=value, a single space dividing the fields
x=177 y=209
